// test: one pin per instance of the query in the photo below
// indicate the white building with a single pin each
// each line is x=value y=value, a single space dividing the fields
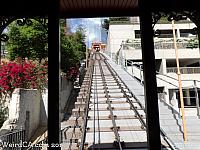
x=125 y=46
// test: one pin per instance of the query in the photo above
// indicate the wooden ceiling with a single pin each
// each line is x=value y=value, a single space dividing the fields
x=90 y=8
x=107 y=8
x=98 y=7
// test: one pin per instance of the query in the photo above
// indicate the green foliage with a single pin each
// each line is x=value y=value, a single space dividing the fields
x=72 y=48
x=28 y=41
x=193 y=43
x=163 y=20
x=105 y=24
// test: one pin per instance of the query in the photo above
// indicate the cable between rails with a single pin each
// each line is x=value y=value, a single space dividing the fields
x=99 y=139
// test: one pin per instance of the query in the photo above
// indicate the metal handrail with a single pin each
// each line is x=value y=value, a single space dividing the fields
x=184 y=70
x=132 y=64
x=17 y=136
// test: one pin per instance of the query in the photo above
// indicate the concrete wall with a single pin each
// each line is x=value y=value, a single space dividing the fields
x=24 y=110
x=117 y=34
x=66 y=88
x=44 y=107
x=169 y=26
x=29 y=108
x=165 y=54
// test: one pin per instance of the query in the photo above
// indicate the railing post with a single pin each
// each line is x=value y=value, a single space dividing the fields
x=132 y=68
x=126 y=63
x=140 y=73
x=197 y=99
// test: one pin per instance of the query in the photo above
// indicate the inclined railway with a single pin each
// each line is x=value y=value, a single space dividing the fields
x=106 y=115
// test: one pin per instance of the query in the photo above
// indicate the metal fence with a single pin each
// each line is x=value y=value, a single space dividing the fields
x=184 y=70
x=13 y=140
x=157 y=45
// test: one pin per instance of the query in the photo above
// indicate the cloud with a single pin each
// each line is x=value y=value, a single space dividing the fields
x=92 y=27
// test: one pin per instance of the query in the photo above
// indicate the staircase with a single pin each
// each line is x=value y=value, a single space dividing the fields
x=171 y=123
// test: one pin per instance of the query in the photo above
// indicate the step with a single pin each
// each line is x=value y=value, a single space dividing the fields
x=188 y=146
x=192 y=138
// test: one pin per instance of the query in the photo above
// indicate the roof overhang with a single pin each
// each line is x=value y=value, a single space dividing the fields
x=91 y=8
x=108 y=8
x=98 y=8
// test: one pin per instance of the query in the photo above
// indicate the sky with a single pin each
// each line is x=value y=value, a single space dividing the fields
x=94 y=31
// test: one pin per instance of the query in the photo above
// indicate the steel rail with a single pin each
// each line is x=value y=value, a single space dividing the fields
x=87 y=103
x=115 y=129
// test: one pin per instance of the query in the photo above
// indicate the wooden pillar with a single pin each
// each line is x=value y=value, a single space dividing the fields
x=150 y=85
x=53 y=75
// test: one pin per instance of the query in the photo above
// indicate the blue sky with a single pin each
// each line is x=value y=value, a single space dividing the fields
x=92 y=27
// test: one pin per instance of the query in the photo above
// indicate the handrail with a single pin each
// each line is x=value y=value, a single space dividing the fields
x=167 y=82
x=157 y=45
x=184 y=70
x=165 y=74
x=171 y=108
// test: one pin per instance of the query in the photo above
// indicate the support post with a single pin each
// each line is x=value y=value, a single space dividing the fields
x=53 y=76
x=180 y=85
x=197 y=99
x=149 y=71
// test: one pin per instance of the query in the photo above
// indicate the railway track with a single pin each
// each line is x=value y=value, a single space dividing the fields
x=106 y=114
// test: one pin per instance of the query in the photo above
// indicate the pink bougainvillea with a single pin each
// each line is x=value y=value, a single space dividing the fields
x=22 y=74
x=72 y=73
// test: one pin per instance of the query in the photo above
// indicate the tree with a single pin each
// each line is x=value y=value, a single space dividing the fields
x=105 y=24
x=27 y=41
x=72 y=48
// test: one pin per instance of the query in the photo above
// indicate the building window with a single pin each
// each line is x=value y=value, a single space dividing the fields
x=185 y=32
x=137 y=34
x=189 y=98
x=166 y=34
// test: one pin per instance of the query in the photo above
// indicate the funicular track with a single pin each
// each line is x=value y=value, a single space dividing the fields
x=106 y=113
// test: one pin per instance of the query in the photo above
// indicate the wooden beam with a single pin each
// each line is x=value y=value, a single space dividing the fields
x=150 y=85
x=53 y=76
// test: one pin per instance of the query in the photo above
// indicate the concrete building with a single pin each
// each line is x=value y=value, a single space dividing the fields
x=124 y=47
